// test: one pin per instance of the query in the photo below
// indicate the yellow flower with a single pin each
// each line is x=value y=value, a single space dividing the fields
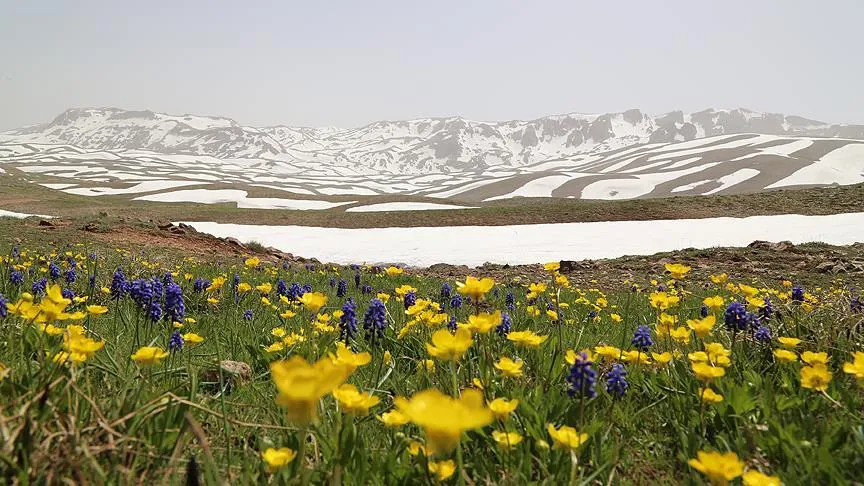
x=609 y=353
x=313 y=301
x=192 y=338
x=506 y=440
x=300 y=385
x=388 y=358
x=566 y=437
x=785 y=356
x=747 y=290
x=755 y=303
x=714 y=303
x=149 y=355
x=443 y=418
x=718 y=468
x=483 y=322
x=212 y=300
x=532 y=311
x=449 y=346
x=353 y=400
x=718 y=355
x=278 y=458
x=415 y=448
x=393 y=271
x=502 y=408
x=426 y=364
x=383 y=297
x=526 y=338
x=264 y=288
x=278 y=332
x=813 y=359
x=552 y=266
x=705 y=372
x=78 y=346
x=510 y=368
x=789 y=342
x=552 y=315
x=636 y=357
x=252 y=262
x=816 y=377
x=677 y=270
x=710 y=396
x=474 y=287
x=702 y=327
x=663 y=300
x=662 y=359
x=4 y=372
x=681 y=334
x=856 y=367
x=615 y=317
x=345 y=357
x=275 y=347
x=393 y=418
x=719 y=278
x=96 y=310
x=442 y=469
x=243 y=287
x=287 y=314
x=756 y=478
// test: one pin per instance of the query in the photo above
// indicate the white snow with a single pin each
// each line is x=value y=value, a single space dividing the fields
x=12 y=214
x=147 y=186
x=474 y=245
x=403 y=206
x=540 y=187
x=844 y=165
x=640 y=185
x=57 y=185
x=215 y=196
x=692 y=185
x=730 y=180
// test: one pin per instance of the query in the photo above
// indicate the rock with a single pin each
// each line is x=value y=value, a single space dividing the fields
x=45 y=222
x=235 y=242
x=825 y=266
x=165 y=226
x=449 y=270
x=92 y=227
x=767 y=245
x=234 y=373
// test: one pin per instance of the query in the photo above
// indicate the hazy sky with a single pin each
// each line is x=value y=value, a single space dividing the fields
x=347 y=63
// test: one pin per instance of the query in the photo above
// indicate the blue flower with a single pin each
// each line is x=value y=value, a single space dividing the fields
x=616 y=384
x=367 y=289
x=119 y=287
x=410 y=299
x=38 y=286
x=71 y=276
x=357 y=279
x=703 y=311
x=141 y=292
x=154 y=311
x=766 y=311
x=332 y=283
x=176 y=342
x=503 y=329
x=582 y=377
x=452 y=325
x=281 y=288
x=642 y=338
x=3 y=309
x=446 y=292
x=175 y=307
x=510 y=301
x=855 y=304
x=307 y=288
x=348 y=321
x=53 y=271
x=797 y=294
x=762 y=334
x=248 y=315
x=16 y=277
x=375 y=321
x=67 y=294
x=295 y=291
x=736 y=317
x=456 y=301
x=199 y=285
x=342 y=289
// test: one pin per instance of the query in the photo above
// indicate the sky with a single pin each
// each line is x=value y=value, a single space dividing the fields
x=349 y=63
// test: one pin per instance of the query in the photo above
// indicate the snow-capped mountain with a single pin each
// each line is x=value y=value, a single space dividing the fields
x=408 y=147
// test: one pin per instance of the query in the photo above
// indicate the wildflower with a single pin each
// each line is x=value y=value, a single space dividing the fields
x=410 y=299
x=348 y=320
x=662 y=359
x=813 y=359
x=703 y=311
x=610 y=353
x=663 y=300
x=176 y=342
x=175 y=308
x=243 y=288
x=443 y=418
x=526 y=338
x=642 y=338
x=506 y=440
x=16 y=277
x=475 y=288
x=718 y=468
x=708 y=395
x=388 y=358
x=456 y=301
x=815 y=377
x=705 y=372
x=78 y=346
x=426 y=364
x=4 y=372
x=393 y=418
x=677 y=270
x=797 y=294
x=313 y=301
x=552 y=266
x=616 y=384
x=714 y=303
x=509 y=367
x=278 y=458
x=856 y=367
x=275 y=347
x=119 y=286
x=393 y=271
x=502 y=408
x=756 y=478
x=442 y=469
x=93 y=310
x=566 y=437
x=300 y=385
x=353 y=400
x=192 y=338
x=252 y=262
x=582 y=377
x=719 y=278
x=636 y=357
x=415 y=448
x=502 y=329
x=483 y=322
x=789 y=342
x=510 y=301
x=449 y=346
x=3 y=306
x=736 y=317
x=785 y=356
x=552 y=315
x=248 y=315
x=680 y=334
x=342 y=288
x=762 y=334
x=149 y=356
x=347 y=358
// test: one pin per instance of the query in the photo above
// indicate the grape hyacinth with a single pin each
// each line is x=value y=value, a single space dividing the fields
x=38 y=286
x=375 y=321
x=306 y=289
x=503 y=329
x=200 y=284
x=797 y=294
x=141 y=291
x=703 y=311
x=16 y=277
x=281 y=288
x=367 y=289
x=616 y=384
x=452 y=325
x=766 y=311
x=332 y=283
x=154 y=311
x=71 y=276
x=510 y=302
x=357 y=279
x=175 y=307
x=446 y=291
x=248 y=315
x=348 y=321
x=410 y=299
x=642 y=338
x=53 y=271
x=119 y=287
x=176 y=342
x=342 y=288
x=582 y=377
x=736 y=317
x=295 y=291
x=456 y=301
x=67 y=294
x=855 y=304
x=3 y=309
x=762 y=334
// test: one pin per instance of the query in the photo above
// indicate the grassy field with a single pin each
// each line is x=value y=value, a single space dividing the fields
x=22 y=196
x=86 y=397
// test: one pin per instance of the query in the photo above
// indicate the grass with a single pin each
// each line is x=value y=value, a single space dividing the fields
x=111 y=420
x=19 y=195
